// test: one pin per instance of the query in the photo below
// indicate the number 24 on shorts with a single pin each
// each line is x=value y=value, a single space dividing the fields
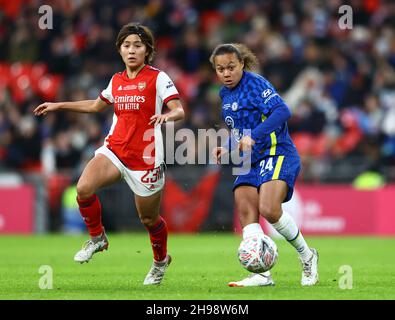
x=266 y=166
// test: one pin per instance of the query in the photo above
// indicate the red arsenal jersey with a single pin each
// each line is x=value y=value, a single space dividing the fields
x=136 y=143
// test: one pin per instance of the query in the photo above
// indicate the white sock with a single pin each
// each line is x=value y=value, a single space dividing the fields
x=287 y=227
x=251 y=229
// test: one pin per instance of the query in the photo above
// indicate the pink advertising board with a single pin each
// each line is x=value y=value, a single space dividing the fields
x=17 y=209
x=340 y=210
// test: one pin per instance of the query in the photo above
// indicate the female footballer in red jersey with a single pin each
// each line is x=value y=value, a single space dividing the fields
x=133 y=149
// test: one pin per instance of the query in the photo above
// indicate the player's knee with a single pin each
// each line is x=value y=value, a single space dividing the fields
x=84 y=191
x=271 y=212
x=148 y=221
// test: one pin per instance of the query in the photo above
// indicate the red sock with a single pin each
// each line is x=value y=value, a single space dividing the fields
x=158 y=237
x=91 y=213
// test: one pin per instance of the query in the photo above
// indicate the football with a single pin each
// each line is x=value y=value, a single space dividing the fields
x=258 y=253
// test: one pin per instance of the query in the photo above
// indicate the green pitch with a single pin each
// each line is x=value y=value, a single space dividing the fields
x=202 y=265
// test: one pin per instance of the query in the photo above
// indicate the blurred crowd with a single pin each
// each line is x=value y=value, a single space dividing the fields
x=339 y=84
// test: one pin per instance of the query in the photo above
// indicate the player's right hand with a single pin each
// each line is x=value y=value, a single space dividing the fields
x=218 y=152
x=46 y=107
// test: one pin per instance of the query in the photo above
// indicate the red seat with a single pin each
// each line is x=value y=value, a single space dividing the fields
x=210 y=19
x=38 y=71
x=4 y=74
x=320 y=145
x=22 y=77
x=188 y=85
x=18 y=69
x=19 y=87
x=352 y=133
x=303 y=142
x=48 y=86
x=19 y=80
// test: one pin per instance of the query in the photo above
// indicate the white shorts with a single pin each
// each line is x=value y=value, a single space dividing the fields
x=143 y=183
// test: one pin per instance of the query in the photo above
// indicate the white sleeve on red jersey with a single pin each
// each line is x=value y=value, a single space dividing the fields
x=106 y=94
x=165 y=88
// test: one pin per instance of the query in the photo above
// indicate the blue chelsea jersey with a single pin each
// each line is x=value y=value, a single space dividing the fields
x=249 y=104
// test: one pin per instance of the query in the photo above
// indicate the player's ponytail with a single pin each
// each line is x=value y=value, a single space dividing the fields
x=250 y=60
x=242 y=52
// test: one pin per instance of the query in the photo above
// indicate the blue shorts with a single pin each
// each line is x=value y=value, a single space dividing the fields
x=272 y=168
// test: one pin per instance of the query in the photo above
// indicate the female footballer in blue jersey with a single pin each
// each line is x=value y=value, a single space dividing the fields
x=257 y=118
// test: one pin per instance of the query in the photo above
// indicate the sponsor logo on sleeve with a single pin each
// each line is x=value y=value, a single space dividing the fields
x=266 y=93
x=169 y=84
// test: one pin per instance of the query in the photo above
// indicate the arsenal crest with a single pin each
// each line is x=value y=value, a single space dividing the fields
x=141 y=86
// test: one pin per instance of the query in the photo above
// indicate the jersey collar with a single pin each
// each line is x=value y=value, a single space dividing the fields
x=125 y=74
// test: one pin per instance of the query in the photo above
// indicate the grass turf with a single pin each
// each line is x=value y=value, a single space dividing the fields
x=202 y=265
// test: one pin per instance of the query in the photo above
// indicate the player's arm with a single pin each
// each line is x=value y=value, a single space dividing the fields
x=85 y=106
x=277 y=118
x=176 y=113
x=269 y=102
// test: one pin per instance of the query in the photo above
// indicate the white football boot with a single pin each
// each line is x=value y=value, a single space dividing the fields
x=157 y=272
x=254 y=280
x=310 y=270
x=90 y=247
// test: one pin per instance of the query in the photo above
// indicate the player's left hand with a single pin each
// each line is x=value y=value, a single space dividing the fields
x=158 y=119
x=246 y=143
